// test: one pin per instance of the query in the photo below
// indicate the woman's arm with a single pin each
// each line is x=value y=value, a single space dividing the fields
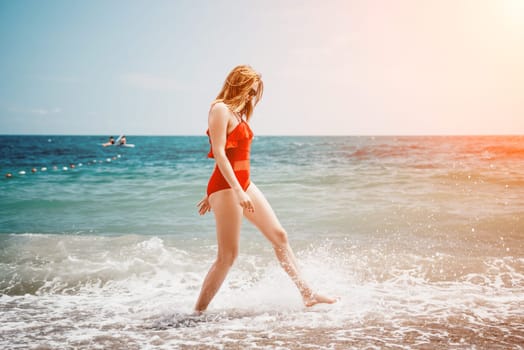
x=218 y=126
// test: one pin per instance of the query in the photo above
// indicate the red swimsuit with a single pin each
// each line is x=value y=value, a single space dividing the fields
x=238 y=146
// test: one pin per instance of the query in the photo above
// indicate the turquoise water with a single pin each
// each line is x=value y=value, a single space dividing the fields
x=421 y=237
x=112 y=190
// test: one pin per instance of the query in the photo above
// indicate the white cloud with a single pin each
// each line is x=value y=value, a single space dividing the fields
x=58 y=79
x=44 y=111
x=36 y=111
x=150 y=82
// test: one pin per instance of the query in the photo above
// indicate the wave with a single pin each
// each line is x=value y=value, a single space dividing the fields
x=487 y=176
x=417 y=149
x=135 y=287
x=65 y=264
x=510 y=151
x=55 y=264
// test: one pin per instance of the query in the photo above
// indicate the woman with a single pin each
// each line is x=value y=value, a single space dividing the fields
x=232 y=195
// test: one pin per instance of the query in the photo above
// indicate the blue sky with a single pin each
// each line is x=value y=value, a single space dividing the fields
x=329 y=67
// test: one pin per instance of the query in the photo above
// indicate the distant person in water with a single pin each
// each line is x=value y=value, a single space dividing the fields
x=110 y=142
x=230 y=193
x=123 y=140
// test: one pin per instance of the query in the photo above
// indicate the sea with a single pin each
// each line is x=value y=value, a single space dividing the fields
x=420 y=237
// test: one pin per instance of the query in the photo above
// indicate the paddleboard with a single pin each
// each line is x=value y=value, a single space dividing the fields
x=117 y=143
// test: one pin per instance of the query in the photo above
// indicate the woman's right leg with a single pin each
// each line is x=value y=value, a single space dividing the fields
x=228 y=217
x=266 y=221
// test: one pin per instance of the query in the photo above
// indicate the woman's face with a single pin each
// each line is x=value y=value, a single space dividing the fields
x=252 y=92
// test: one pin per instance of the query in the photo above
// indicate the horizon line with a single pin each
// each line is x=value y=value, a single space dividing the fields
x=272 y=135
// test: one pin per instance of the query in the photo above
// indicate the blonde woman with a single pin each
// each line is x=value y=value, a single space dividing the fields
x=230 y=193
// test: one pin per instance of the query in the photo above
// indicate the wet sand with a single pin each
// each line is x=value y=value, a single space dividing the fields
x=454 y=333
x=428 y=335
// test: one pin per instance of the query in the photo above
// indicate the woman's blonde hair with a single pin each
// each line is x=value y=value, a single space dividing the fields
x=237 y=88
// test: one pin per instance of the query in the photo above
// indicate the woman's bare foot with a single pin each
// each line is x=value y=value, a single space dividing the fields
x=314 y=299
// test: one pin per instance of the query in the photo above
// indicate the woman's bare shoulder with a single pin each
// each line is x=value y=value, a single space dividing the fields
x=219 y=111
x=219 y=107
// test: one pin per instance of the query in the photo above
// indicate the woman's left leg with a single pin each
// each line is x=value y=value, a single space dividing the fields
x=228 y=218
x=266 y=221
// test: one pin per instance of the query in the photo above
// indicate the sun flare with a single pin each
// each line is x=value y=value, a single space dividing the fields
x=514 y=12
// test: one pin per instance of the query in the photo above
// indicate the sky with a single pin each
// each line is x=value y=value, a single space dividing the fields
x=333 y=67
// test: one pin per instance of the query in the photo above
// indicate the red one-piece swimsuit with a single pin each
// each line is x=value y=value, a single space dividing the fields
x=238 y=147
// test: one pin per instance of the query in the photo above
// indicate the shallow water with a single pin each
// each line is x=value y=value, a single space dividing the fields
x=421 y=237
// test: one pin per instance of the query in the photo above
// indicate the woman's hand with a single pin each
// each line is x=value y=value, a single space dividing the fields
x=244 y=201
x=204 y=206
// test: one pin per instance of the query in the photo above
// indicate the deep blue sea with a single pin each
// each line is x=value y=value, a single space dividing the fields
x=422 y=238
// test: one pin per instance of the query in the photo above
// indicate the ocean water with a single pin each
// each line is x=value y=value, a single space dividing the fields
x=422 y=238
